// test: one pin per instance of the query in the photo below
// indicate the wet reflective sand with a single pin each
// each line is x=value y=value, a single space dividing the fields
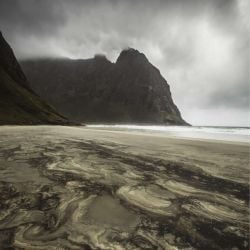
x=80 y=188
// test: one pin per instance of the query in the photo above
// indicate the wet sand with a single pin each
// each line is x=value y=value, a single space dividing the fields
x=86 y=188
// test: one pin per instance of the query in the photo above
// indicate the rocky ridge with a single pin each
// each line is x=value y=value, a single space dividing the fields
x=95 y=90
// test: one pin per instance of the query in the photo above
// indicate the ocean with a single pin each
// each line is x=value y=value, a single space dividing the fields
x=237 y=134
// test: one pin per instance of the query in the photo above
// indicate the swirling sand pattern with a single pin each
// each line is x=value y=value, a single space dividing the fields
x=64 y=190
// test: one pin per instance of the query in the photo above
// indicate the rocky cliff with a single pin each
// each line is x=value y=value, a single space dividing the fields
x=18 y=103
x=131 y=90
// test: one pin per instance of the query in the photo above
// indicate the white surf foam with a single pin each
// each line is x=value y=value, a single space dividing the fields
x=216 y=133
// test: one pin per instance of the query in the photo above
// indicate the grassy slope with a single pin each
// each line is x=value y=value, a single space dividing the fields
x=20 y=106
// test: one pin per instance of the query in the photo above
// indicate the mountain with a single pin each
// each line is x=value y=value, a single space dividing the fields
x=18 y=103
x=131 y=90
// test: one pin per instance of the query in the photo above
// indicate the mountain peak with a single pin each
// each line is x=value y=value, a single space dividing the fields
x=100 y=57
x=129 y=91
x=131 y=55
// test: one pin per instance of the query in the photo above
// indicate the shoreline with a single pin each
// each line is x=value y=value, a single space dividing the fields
x=175 y=137
x=152 y=133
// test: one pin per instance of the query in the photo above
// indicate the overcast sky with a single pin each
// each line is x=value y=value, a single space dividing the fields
x=201 y=47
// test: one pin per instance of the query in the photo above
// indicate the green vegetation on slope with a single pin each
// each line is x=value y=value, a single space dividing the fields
x=20 y=106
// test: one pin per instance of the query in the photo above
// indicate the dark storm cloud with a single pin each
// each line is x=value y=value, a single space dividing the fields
x=30 y=17
x=199 y=45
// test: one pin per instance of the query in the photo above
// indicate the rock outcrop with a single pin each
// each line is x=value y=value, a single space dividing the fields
x=131 y=90
x=18 y=103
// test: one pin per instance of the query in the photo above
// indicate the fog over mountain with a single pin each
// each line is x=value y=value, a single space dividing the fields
x=18 y=103
x=201 y=47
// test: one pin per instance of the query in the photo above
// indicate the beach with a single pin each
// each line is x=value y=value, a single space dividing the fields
x=105 y=188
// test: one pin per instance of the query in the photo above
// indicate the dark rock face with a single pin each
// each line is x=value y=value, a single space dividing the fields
x=9 y=63
x=18 y=103
x=131 y=90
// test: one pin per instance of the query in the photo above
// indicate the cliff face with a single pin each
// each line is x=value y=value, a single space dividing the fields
x=131 y=90
x=18 y=103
